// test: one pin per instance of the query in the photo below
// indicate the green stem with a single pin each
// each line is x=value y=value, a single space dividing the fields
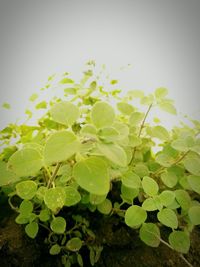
x=51 y=180
x=140 y=130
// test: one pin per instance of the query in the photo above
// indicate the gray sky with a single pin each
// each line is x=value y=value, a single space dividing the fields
x=161 y=39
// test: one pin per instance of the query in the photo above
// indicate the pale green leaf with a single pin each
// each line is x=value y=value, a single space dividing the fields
x=26 y=189
x=125 y=108
x=150 y=186
x=102 y=114
x=74 y=244
x=192 y=163
x=194 y=215
x=65 y=113
x=58 y=225
x=114 y=153
x=161 y=92
x=168 y=217
x=183 y=198
x=25 y=162
x=60 y=146
x=31 y=229
x=55 y=198
x=160 y=133
x=105 y=207
x=92 y=175
x=169 y=178
x=194 y=182
x=131 y=180
x=180 y=241
x=6 y=176
x=136 y=118
x=72 y=196
x=150 y=234
x=167 y=197
x=135 y=216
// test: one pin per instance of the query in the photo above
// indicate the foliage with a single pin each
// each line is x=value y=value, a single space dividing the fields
x=81 y=147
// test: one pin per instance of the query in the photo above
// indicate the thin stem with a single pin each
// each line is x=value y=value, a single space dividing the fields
x=140 y=130
x=54 y=174
x=180 y=255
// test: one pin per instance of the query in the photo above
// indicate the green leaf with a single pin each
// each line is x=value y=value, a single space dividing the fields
x=60 y=146
x=192 y=163
x=58 y=225
x=26 y=189
x=6 y=176
x=128 y=194
x=44 y=215
x=160 y=133
x=102 y=114
x=125 y=108
x=114 y=153
x=55 y=198
x=168 y=217
x=149 y=204
x=97 y=199
x=41 y=105
x=66 y=80
x=72 y=196
x=194 y=215
x=136 y=118
x=180 y=241
x=183 y=198
x=150 y=186
x=135 y=93
x=26 y=208
x=150 y=234
x=74 y=244
x=55 y=249
x=108 y=134
x=141 y=169
x=88 y=130
x=169 y=179
x=25 y=162
x=65 y=113
x=131 y=180
x=168 y=107
x=194 y=182
x=80 y=260
x=135 y=216
x=122 y=129
x=33 y=97
x=31 y=229
x=167 y=197
x=6 y=105
x=92 y=175
x=105 y=207
x=161 y=92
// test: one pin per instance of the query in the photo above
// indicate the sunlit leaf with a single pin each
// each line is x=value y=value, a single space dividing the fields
x=102 y=114
x=135 y=216
x=26 y=189
x=168 y=217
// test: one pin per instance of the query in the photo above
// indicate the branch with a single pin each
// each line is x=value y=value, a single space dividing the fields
x=54 y=174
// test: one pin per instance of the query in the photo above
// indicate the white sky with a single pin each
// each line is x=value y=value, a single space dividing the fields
x=160 y=39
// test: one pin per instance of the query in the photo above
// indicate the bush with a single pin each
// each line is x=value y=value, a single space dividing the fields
x=81 y=147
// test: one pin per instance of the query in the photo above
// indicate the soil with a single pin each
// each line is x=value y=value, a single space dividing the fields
x=122 y=247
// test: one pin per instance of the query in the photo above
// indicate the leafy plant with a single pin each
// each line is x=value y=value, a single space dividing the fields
x=69 y=161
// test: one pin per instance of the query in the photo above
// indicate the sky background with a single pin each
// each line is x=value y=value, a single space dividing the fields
x=159 y=38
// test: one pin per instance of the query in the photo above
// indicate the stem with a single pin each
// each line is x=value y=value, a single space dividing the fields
x=54 y=174
x=140 y=131
x=180 y=255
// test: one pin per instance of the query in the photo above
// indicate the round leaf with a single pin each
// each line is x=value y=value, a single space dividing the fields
x=135 y=216
x=149 y=204
x=72 y=196
x=192 y=163
x=194 y=215
x=26 y=208
x=150 y=186
x=131 y=180
x=114 y=153
x=55 y=198
x=92 y=175
x=180 y=241
x=7 y=177
x=58 y=225
x=150 y=234
x=60 y=146
x=168 y=217
x=31 y=229
x=26 y=189
x=65 y=113
x=183 y=199
x=105 y=207
x=25 y=162
x=74 y=244
x=167 y=197
x=55 y=249
x=102 y=114
x=169 y=179
x=194 y=182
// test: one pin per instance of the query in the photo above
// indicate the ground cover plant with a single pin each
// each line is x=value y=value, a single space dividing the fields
x=92 y=152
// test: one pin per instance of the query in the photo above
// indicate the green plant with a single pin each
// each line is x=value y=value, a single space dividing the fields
x=81 y=147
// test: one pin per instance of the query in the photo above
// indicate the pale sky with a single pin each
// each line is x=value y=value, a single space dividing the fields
x=160 y=39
